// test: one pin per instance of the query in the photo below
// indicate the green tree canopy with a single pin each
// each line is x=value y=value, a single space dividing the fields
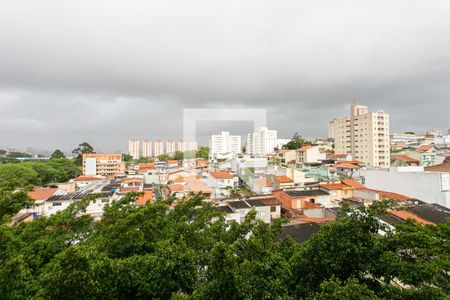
x=202 y=152
x=57 y=154
x=158 y=251
x=296 y=142
x=80 y=150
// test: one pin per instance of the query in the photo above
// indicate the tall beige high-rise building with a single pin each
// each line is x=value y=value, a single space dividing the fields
x=170 y=147
x=133 y=148
x=146 y=148
x=364 y=135
x=159 y=148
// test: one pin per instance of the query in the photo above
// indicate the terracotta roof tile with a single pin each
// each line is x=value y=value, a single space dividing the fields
x=405 y=158
x=87 y=178
x=424 y=148
x=41 y=193
x=176 y=187
x=353 y=183
x=334 y=186
x=404 y=215
x=445 y=167
x=146 y=197
x=221 y=175
x=347 y=166
x=283 y=179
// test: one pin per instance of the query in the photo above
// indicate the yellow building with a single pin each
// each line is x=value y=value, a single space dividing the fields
x=103 y=164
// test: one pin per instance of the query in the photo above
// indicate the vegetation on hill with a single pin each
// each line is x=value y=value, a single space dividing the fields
x=18 y=178
x=190 y=252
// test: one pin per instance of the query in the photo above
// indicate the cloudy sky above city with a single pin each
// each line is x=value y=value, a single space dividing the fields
x=105 y=71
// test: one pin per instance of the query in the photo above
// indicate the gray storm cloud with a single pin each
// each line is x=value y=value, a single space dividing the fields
x=104 y=71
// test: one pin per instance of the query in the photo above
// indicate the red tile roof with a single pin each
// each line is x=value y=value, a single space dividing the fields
x=424 y=148
x=347 y=166
x=334 y=186
x=391 y=195
x=283 y=179
x=41 y=193
x=354 y=184
x=176 y=187
x=405 y=158
x=131 y=179
x=146 y=197
x=305 y=148
x=407 y=215
x=221 y=175
x=87 y=178
x=445 y=167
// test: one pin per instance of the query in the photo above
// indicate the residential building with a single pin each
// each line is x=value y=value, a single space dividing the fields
x=146 y=148
x=181 y=146
x=192 y=146
x=223 y=143
x=430 y=185
x=302 y=198
x=284 y=157
x=309 y=155
x=133 y=148
x=266 y=206
x=261 y=142
x=400 y=160
x=159 y=148
x=364 y=135
x=425 y=154
x=170 y=147
x=103 y=164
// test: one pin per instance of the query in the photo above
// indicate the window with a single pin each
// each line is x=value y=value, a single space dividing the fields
x=312 y=200
x=57 y=204
x=273 y=208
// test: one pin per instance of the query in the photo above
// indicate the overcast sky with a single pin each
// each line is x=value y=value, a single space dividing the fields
x=105 y=71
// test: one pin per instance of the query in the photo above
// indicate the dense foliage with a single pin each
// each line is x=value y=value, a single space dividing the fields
x=296 y=142
x=78 y=152
x=18 y=178
x=189 y=251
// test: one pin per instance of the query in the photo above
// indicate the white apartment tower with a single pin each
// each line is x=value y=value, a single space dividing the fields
x=261 y=142
x=192 y=146
x=364 y=135
x=133 y=148
x=146 y=148
x=224 y=143
x=159 y=147
x=181 y=146
x=170 y=147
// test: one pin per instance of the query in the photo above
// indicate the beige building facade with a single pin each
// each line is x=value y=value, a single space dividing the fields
x=364 y=135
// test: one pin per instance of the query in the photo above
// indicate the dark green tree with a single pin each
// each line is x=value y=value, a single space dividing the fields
x=78 y=152
x=202 y=152
x=57 y=154
x=296 y=142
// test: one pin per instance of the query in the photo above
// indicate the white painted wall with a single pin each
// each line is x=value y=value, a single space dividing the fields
x=430 y=187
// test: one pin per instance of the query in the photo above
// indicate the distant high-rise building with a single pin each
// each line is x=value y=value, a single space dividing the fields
x=364 y=135
x=181 y=146
x=261 y=142
x=192 y=146
x=146 y=148
x=224 y=143
x=133 y=148
x=170 y=147
x=159 y=147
